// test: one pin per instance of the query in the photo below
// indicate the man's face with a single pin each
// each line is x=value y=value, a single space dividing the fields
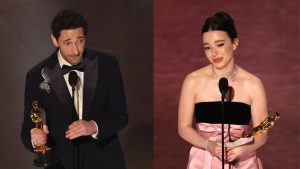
x=71 y=43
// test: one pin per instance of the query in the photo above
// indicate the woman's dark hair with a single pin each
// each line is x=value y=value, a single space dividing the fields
x=221 y=21
x=67 y=19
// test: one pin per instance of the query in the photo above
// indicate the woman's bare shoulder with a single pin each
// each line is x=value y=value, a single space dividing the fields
x=249 y=80
x=198 y=76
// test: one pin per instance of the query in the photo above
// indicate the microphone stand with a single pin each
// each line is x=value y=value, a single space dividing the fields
x=222 y=112
x=75 y=143
x=76 y=154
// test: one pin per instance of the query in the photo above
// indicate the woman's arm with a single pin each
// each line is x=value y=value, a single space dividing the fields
x=185 y=119
x=259 y=112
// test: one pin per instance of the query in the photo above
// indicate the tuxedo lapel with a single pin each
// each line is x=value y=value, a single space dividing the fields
x=57 y=82
x=90 y=83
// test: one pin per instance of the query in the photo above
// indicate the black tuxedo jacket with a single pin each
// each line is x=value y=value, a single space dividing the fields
x=103 y=102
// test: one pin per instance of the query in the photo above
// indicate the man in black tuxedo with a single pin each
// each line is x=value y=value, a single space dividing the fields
x=98 y=111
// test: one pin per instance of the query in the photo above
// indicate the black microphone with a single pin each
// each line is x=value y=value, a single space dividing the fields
x=223 y=86
x=73 y=80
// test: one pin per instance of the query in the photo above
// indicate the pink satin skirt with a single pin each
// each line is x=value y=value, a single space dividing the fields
x=201 y=159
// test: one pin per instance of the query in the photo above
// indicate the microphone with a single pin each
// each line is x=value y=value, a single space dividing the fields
x=223 y=86
x=73 y=77
x=73 y=80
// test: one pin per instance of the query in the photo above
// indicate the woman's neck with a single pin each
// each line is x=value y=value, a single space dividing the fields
x=228 y=72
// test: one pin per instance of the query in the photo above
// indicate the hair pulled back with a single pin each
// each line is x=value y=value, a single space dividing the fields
x=221 y=21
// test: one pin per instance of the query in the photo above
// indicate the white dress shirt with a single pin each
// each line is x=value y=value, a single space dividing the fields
x=78 y=94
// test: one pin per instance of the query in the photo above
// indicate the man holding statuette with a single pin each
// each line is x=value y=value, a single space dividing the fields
x=81 y=92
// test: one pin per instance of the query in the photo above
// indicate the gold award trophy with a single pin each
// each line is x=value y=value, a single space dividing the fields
x=264 y=125
x=44 y=153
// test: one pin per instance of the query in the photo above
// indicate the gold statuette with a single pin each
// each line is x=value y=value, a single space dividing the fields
x=36 y=115
x=44 y=153
x=264 y=125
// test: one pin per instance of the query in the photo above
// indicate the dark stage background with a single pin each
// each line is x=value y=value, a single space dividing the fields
x=269 y=48
x=124 y=27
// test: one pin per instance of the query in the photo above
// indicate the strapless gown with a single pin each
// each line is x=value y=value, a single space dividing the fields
x=208 y=124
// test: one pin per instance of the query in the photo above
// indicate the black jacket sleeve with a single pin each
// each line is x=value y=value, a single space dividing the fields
x=116 y=118
x=30 y=95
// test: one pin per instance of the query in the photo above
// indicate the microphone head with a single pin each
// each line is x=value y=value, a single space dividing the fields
x=223 y=85
x=73 y=78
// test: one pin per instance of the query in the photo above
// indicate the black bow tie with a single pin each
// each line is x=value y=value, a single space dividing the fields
x=66 y=69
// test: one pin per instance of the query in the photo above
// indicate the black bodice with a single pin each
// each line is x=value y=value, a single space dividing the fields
x=235 y=113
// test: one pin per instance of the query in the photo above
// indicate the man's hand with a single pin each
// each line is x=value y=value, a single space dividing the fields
x=81 y=128
x=38 y=136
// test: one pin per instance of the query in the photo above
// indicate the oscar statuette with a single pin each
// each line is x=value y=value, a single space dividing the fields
x=264 y=125
x=45 y=156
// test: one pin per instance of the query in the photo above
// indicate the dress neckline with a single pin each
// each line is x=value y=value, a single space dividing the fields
x=234 y=112
x=215 y=102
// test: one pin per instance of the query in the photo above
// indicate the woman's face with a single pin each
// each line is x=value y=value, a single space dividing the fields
x=219 y=48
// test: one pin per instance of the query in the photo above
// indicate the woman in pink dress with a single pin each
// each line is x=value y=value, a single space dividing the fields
x=200 y=103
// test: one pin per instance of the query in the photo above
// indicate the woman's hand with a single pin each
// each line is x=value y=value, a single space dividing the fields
x=235 y=152
x=214 y=148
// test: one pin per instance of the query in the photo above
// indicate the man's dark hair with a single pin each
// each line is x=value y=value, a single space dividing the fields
x=220 y=21
x=67 y=19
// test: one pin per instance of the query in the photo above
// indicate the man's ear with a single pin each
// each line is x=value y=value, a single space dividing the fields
x=54 y=41
x=235 y=43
